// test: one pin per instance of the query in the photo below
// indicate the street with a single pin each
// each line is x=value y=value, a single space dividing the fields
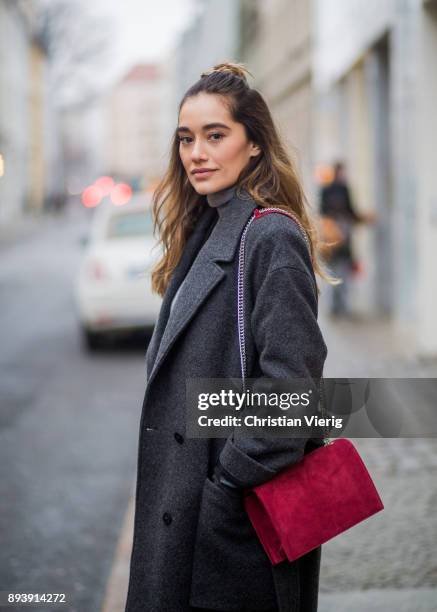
x=68 y=426
x=68 y=443
x=326 y=109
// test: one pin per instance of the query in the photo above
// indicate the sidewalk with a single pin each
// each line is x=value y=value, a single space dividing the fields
x=371 y=600
x=30 y=225
x=13 y=233
x=380 y=600
x=389 y=563
x=371 y=347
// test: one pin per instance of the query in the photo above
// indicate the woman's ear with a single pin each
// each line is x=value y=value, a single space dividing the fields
x=254 y=150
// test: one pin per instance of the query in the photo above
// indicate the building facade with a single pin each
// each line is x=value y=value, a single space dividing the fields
x=276 y=46
x=375 y=90
x=15 y=44
x=138 y=119
x=213 y=37
x=24 y=113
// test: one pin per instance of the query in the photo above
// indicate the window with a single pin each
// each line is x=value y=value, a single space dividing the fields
x=128 y=225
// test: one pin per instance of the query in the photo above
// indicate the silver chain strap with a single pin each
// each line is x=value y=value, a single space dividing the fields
x=240 y=298
x=240 y=292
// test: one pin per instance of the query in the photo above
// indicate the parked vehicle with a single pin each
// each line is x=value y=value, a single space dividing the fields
x=113 y=288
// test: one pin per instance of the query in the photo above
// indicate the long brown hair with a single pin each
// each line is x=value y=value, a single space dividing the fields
x=270 y=178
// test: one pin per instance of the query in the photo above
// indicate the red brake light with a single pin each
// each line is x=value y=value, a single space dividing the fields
x=97 y=270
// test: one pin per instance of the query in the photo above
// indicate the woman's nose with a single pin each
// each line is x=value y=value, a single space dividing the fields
x=198 y=152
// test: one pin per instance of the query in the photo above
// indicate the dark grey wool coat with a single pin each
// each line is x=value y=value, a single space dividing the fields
x=193 y=542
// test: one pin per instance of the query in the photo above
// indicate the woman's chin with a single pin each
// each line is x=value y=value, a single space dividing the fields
x=205 y=189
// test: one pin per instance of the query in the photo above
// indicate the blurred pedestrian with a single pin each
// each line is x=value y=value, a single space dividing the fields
x=339 y=217
x=194 y=547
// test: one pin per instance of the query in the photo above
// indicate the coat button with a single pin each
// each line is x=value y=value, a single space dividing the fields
x=167 y=518
x=179 y=438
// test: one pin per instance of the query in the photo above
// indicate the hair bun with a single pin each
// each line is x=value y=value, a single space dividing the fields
x=238 y=70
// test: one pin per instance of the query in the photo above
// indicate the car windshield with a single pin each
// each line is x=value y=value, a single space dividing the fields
x=129 y=225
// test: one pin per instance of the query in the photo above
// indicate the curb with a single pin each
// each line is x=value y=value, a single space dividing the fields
x=116 y=589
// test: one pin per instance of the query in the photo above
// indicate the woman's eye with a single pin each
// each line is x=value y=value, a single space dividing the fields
x=215 y=136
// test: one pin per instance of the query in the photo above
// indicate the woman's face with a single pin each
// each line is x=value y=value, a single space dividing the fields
x=213 y=147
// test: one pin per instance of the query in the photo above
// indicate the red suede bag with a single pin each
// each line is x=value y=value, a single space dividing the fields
x=321 y=496
x=310 y=502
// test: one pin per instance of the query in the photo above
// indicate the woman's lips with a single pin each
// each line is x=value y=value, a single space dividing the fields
x=200 y=175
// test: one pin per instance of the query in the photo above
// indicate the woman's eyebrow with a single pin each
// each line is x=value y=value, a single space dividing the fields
x=208 y=126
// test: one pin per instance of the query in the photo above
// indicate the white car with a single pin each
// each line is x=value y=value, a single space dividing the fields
x=113 y=290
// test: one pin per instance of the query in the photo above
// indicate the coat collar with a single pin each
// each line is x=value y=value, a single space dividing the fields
x=202 y=273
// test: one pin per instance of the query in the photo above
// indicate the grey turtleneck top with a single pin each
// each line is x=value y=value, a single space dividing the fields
x=215 y=200
x=220 y=198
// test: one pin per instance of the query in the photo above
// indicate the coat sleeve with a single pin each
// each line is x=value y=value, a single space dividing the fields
x=289 y=343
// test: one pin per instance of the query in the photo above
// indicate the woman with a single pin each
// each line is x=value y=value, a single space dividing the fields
x=194 y=547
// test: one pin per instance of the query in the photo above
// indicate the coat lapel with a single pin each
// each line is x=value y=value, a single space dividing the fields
x=203 y=275
x=191 y=248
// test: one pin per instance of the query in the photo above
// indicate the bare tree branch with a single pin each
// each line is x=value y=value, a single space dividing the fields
x=78 y=44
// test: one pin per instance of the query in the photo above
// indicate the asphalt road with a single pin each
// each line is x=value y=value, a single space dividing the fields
x=68 y=425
